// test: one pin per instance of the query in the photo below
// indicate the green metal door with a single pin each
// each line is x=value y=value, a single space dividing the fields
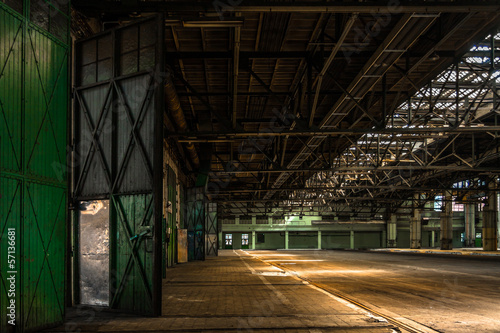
x=34 y=99
x=118 y=153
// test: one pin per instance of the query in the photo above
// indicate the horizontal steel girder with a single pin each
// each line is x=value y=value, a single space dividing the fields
x=365 y=168
x=346 y=187
x=269 y=132
x=373 y=7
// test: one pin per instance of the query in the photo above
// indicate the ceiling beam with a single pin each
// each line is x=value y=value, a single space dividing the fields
x=192 y=136
x=328 y=62
x=222 y=7
x=343 y=187
x=367 y=168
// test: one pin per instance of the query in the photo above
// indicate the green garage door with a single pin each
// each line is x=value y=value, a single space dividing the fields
x=118 y=154
x=34 y=92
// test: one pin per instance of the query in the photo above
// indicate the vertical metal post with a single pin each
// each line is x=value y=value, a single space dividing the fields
x=158 y=174
x=384 y=100
x=319 y=239
x=470 y=227
x=447 y=223
x=492 y=51
x=457 y=92
x=392 y=231
x=286 y=240
x=473 y=149
x=309 y=88
x=351 y=240
x=490 y=241
x=416 y=226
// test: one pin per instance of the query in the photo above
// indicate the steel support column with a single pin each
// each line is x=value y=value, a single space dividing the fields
x=490 y=241
x=447 y=223
x=470 y=225
x=319 y=239
x=416 y=228
x=286 y=240
x=392 y=231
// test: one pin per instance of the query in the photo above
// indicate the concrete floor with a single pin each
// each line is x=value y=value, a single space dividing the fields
x=317 y=291
x=235 y=292
x=445 y=293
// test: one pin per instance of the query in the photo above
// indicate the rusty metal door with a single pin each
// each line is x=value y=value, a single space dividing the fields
x=118 y=153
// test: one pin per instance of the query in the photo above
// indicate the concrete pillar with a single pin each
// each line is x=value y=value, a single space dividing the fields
x=253 y=240
x=416 y=228
x=447 y=223
x=392 y=231
x=470 y=225
x=286 y=240
x=352 y=240
x=490 y=212
x=319 y=239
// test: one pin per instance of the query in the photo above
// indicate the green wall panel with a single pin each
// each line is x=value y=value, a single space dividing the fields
x=457 y=239
x=272 y=241
x=303 y=240
x=335 y=240
x=11 y=214
x=44 y=234
x=367 y=240
x=403 y=238
x=426 y=238
x=11 y=41
x=34 y=100
x=237 y=240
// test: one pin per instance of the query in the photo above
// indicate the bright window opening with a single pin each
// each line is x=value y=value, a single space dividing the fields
x=229 y=239
x=244 y=239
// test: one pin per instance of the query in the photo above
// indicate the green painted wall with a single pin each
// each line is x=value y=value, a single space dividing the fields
x=34 y=99
x=303 y=232
x=302 y=240
x=335 y=240
x=426 y=238
x=367 y=240
x=272 y=240
x=237 y=240
x=457 y=242
x=403 y=238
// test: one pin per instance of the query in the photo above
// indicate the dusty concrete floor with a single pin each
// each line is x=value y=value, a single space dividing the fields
x=448 y=294
x=235 y=292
